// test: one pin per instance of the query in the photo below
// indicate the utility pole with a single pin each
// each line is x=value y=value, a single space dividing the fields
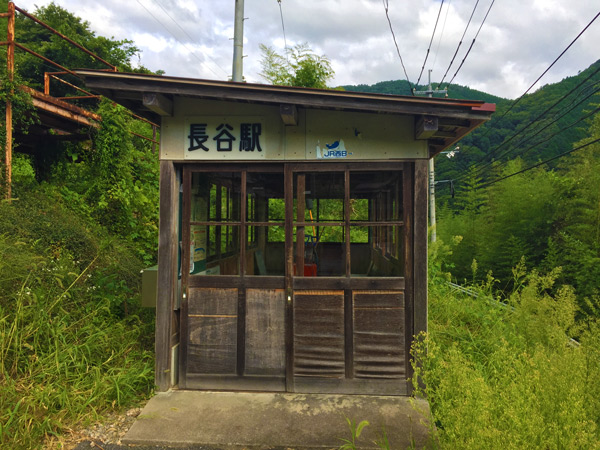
x=238 y=42
x=429 y=92
x=432 y=199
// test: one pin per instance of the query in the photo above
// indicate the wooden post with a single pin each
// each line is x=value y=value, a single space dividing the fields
x=10 y=66
x=167 y=272
x=300 y=210
x=289 y=278
x=153 y=138
x=420 y=247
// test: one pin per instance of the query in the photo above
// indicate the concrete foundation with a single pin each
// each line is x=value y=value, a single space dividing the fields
x=270 y=420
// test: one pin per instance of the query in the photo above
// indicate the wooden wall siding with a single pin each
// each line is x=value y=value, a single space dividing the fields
x=212 y=331
x=265 y=332
x=378 y=322
x=319 y=334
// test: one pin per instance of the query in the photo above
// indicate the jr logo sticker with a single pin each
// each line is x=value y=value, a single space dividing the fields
x=335 y=150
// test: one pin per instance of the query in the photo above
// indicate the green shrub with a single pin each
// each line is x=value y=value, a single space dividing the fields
x=65 y=357
x=510 y=378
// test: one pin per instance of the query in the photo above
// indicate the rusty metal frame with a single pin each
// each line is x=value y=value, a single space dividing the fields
x=10 y=45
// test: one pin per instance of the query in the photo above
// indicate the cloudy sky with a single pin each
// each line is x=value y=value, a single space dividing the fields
x=518 y=41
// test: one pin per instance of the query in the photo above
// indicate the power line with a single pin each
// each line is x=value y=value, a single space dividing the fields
x=561 y=130
x=529 y=138
x=429 y=48
x=538 y=164
x=460 y=43
x=188 y=35
x=549 y=67
x=532 y=122
x=171 y=33
x=472 y=43
x=514 y=103
x=441 y=35
x=386 y=6
x=283 y=28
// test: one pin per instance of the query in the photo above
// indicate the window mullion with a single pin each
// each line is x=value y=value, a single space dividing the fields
x=242 y=231
x=347 y=219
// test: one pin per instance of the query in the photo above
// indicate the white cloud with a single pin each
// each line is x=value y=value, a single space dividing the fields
x=519 y=40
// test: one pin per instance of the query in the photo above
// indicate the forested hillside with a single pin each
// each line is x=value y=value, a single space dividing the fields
x=401 y=87
x=549 y=215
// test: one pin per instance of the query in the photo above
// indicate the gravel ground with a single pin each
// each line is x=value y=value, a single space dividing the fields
x=107 y=435
x=103 y=435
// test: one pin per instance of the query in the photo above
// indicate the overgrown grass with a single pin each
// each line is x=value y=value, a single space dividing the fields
x=509 y=377
x=72 y=344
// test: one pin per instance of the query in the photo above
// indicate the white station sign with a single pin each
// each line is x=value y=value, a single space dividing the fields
x=225 y=137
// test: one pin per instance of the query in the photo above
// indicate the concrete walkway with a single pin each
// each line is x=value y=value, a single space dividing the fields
x=271 y=420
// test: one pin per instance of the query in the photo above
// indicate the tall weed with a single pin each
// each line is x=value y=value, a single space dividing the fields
x=501 y=377
x=64 y=355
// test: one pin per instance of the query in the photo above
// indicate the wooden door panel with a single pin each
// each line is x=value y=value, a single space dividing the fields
x=212 y=328
x=265 y=332
x=319 y=334
x=378 y=324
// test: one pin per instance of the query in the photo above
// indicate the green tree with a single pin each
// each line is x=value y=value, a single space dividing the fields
x=575 y=245
x=42 y=41
x=114 y=180
x=300 y=67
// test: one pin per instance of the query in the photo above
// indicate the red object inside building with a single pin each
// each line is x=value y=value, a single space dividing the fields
x=310 y=270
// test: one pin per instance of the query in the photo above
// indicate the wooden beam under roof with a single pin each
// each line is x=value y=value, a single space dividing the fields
x=289 y=114
x=426 y=127
x=158 y=103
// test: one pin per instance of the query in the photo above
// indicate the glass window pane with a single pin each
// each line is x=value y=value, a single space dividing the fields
x=214 y=250
x=324 y=253
x=323 y=196
x=265 y=197
x=263 y=255
x=376 y=251
x=374 y=196
x=359 y=209
x=215 y=197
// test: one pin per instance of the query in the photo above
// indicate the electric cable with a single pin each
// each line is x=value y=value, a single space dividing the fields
x=437 y=50
x=491 y=154
x=530 y=137
x=460 y=43
x=283 y=28
x=429 y=48
x=386 y=6
x=560 y=131
x=538 y=164
x=188 y=35
x=549 y=67
x=472 y=43
x=187 y=48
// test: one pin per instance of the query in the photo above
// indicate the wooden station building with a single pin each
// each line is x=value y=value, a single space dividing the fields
x=293 y=230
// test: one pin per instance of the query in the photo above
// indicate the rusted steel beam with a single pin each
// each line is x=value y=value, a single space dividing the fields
x=68 y=84
x=79 y=97
x=47 y=99
x=49 y=61
x=58 y=33
x=10 y=68
x=58 y=111
x=155 y=125
x=144 y=137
